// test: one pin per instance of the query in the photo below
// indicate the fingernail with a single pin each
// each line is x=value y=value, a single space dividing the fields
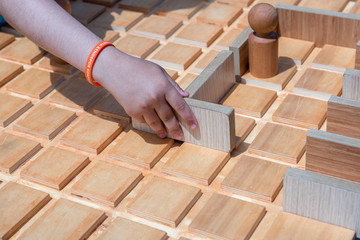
x=178 y=137
x=162 y=135
x=193 y=126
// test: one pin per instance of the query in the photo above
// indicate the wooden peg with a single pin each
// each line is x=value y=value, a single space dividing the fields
x=66 y=5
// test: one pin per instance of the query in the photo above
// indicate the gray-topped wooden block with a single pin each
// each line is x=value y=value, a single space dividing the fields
x=351 y=84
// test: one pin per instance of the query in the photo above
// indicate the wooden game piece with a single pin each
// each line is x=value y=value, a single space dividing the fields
x=186 y=80
x=5 y=39
x=8 y=71
x=137 y=46
x=110 y=108
x=18 y=204
x=219 y=14
x=86 y=12
x=227 y=38
x=184 y=9
x=108 y=3
x=224 y=217
x=351 y=84
x=55 y=167
x=107 y=183
x=240 y=48
x=11 y=108
x=172 y=73
x=205 y=60
x=49 y=62
x=139 y=5
x=243 y=127
x=337 y=6
x=164 y=201
x=44 y=121
x=295 y=49
x=105 y=34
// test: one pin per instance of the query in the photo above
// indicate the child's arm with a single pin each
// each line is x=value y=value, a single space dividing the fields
x=144 y=89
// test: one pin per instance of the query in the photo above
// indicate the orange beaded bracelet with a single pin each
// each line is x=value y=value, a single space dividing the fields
x=91 y=61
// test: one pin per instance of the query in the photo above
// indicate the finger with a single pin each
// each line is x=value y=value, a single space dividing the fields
x=182 y=92
x=168 y=118
x=154 y=122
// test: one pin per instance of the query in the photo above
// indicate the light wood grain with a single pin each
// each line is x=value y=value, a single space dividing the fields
x=228 y=38
x=184 y=9
x=243 y=126
x=8 y=71
x=357 y=54
x=337 y=6
x=11 y=108
x=351 y=84
x=297 y=50
x=48 y=62
x=109 y=107
x=240 y=48
x=219 y=14
x=5 y=39
x=136 y=46
x=158 y=26
x=139 y=5
x=205 y=60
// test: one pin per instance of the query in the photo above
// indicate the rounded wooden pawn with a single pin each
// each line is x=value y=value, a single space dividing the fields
x=65 y=4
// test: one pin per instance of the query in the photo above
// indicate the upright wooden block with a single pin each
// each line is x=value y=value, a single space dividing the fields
x=86 y=12
x=186 y=80
x=91 y=134
x=184 y=9
x=227 y=38
x=5 y=39
x=44 y=121
x=279 y=142
x=224 y=217
x=337 y=6
x=18 y=204
x=109 y=107
x=107 y=183
x=164 y=201
x=55 y=167
x=351 y=84
x=137 y=46
x=8 y=71
x=219 y=14
x=11 y=108
x=65 y=220
x=105 y=34
x=240 y=48
x=296 y=49
x=139 y=5
x=158 y=26
x=48 y=62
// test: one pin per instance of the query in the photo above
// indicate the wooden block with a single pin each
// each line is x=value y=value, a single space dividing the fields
x=289 y=226
x=224 y=217
x=109 y=107
x=18 y=205
x=8 y=71
x=86 y=12
x=48 y=62
x=357 y=53
x=158 y=26
x=198 y=34
x=333 y=154
x=55 y=167
x=131 y=230
x=65 y=220
x=117 y=19
x=323 y=198
x=343 y=116
x=203 y=169
x=351 y=84
x=11 y=108
x=319 y=84
x=279 y=142
x=243 y=127
x=244 y=178
x=44 y=121
x=337 y=6
x=139 y=148
x=184 y=9
x=164 y=201
x=139 y=5
x=205 y=60
x=301 y=111
x=86 y=135
x=219 y=14
x=240 y=48
x=227 y=38
x=22 y=50
x=297 y=50
x=186 y=80
x=5 y=39
x=108 y=3
x=249 y=100
x=35 y=83
x=172 y=73
x=137 y=46
x=335 y=58
x=76 y=93
x=105 y=34
x=276 y=2
x=176 y=56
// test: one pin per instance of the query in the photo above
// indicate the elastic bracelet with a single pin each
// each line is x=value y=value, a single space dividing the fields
x=91 y=61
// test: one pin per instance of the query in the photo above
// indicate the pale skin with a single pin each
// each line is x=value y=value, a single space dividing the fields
x=144 y=89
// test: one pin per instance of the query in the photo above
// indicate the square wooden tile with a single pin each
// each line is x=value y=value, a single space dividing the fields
x=91 y=134
x=228 y=38
x=65 y=220
x=137 y=46
x=279 y=142
x=249 y=100
x=158 y=26
x=186 y=80
x=15 y=150
x=139 y=5
x=184 y=9
x=35 y=83
x=301 y=111
x=335 y=58
x=276 y=2
x=139 y=148
x=243 y=127
x=224 y=217
x=5 y=39
x=205 y=60
x=105 y=34
x=8 y=71
x=107 y=183
x=86 y=12
x=337 y=6
x=44 y=121
x=172 y=73
x=219 y=14
x=176 y=56
x=55 y=167
x=22 y=50
x=131 y=230
x=164 y=201
x=108 y=3
x=48 y=62
x=201 y=169
x=198 y=34
x=255 y=178
x=109 y=107
x=296 y=49
x=18 y=204
x=11 y=108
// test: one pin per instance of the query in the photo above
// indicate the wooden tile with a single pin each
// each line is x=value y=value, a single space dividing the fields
x=176 y=56
x=337 y=6
x=205 y=60
x=86 y=135
x=54 y=167
x=86 y=12
x=296 y=49
x=224 y=217
x=109 y=107
x=107 y=183
x=276 y=2
x=158 y=26
x=164 y=201
x=35 y=83
x=139 y=5
x=198 y=34
x=117 y=19
x=227 y=38
x=202 y=169
x=219 y=14
x=105 y=34
x=185 y=81
x=249 y=100
x=240 y=3
x=256 y=178
x=243 y=127
x=356 y=8
x=172 y=73
x=8 y=71
x=139 y=148
x=279 y=142
x=131 y=230
x=48 y=62
x=54 y=223
x=44 y=121
x=108 y=3
x=184 y=9
x=18 y=204
x=22 y=50
x=301 y=111
x=335 y=58
x=11 y=108
x=5 y=39
x=15 y=151
x=137 y=46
